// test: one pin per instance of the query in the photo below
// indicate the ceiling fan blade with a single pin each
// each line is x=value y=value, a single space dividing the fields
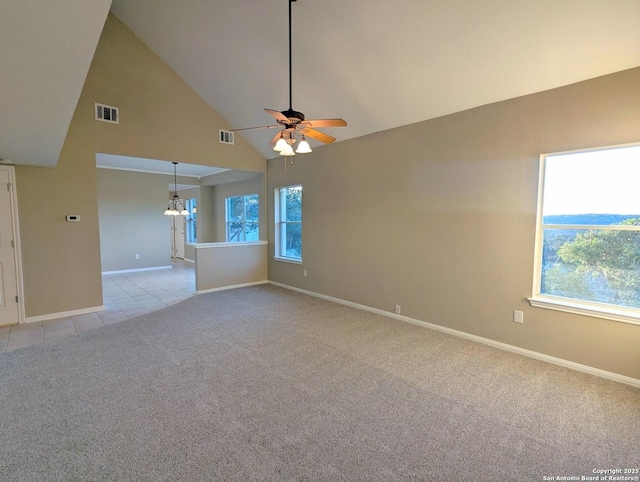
x=325 y=123
x=279 y=116
x=318 y=136
x=259 y=127
x=275 y=138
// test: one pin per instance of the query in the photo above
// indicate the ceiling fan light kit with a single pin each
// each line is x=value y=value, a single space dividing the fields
x=293 y=124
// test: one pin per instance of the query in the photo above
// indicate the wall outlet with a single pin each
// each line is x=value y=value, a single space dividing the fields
x=304 y=273
x=518 y=316
x=398 y=309
x=137 y=256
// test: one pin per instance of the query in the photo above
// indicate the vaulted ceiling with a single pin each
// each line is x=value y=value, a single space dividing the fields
x=45 y=52
x=376 y=63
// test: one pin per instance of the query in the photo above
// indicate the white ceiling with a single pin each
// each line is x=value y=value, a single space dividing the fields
x=378 y=64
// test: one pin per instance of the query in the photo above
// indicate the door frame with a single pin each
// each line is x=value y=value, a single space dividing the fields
x=11 y=170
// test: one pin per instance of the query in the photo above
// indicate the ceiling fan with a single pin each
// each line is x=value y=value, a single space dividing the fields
x=293 y=124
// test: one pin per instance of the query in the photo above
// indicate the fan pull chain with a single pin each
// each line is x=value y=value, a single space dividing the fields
x=290 y=159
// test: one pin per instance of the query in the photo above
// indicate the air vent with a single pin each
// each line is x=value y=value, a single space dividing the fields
x=226 y=137
x=107 y=113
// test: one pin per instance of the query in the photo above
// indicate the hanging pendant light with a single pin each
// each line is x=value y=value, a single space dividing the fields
x=175 y=207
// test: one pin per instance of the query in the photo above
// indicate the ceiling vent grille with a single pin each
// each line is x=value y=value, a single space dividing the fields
x=107 y=113
x=226 y=137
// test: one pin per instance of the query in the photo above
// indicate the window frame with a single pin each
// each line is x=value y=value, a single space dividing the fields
x=191 y=230
x=280 y=226
x=244 y=221
x=565 y=304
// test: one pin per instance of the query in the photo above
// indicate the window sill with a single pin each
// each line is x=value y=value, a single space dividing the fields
x=288 y=260
x=226 y=244
x=561 y=304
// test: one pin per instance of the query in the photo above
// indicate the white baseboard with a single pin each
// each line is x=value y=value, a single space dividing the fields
x=188 y=260
x=63 y=314
x=634 y=382
x=133 y=270
x=232 y=287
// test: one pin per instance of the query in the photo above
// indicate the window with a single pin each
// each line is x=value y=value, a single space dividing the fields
x=588 y=233
x=190 y=206
x=242 y=218
x=288 y=219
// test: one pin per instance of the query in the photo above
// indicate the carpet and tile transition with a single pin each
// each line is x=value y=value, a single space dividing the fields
x=262 y=383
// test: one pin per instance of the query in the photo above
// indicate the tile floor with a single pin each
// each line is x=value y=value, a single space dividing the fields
x=125 y=295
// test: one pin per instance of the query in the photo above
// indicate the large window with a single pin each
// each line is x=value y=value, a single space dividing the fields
x=588 y=235
x=242 y=218
x=288 y=223
x=190 y=206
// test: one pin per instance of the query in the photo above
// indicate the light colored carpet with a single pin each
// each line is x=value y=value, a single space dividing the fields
x=262 y=383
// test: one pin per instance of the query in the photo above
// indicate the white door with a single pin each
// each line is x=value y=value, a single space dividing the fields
x=178 y=237
x=9 y=314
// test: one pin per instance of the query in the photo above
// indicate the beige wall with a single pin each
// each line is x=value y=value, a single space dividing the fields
x=160 y=118
x=223 y=265
x=440 y=218
x=207 y=226
x=60 y=260
x=131 y=206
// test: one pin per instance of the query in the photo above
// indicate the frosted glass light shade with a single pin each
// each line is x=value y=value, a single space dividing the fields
x=303 y=147
x=280 y=145
x=287 y=151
